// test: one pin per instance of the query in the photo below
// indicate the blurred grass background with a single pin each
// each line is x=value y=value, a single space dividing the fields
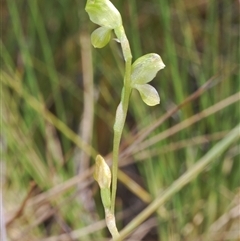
x=55 y=119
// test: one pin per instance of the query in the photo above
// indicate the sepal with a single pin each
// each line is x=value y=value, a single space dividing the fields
x=148 y=94
x=145 y=68
x=103 y=13
x=100 y=37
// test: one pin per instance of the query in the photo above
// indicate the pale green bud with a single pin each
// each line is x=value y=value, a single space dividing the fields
x=102 y=173
x=100 y=37
x=103 y=13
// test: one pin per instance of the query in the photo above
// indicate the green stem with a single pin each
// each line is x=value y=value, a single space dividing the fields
x=111 y=224
x=121 y=110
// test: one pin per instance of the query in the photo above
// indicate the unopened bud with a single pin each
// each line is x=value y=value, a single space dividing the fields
x=102 y=173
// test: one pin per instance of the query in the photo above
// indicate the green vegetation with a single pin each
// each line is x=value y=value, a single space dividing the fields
x=179 y=161
x=136 y=76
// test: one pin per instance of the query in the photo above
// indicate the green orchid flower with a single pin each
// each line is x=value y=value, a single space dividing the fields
x=144 y=69
x=103 y=13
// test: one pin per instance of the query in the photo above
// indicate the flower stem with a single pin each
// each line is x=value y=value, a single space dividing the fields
x=122 y=109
